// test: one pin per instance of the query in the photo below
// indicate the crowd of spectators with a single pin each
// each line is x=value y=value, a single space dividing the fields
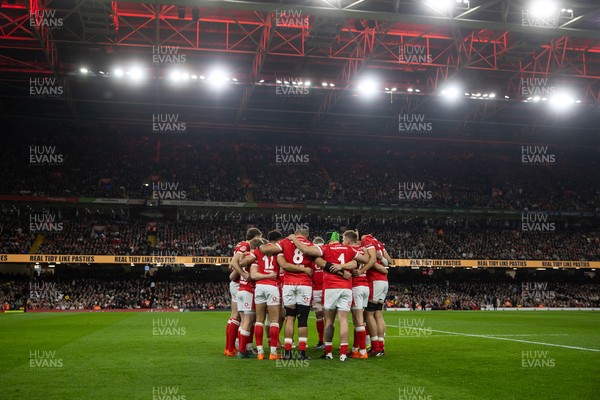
x=172 y=288
x=108 y=290
x=215 y=234
x=330 y=171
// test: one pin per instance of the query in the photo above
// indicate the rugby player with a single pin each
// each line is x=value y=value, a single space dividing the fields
x=376 y=272
x=317 y=301
x=336 y=259
x=231 y=332
x=297 y=289
x=246 y=307
x=265 y=272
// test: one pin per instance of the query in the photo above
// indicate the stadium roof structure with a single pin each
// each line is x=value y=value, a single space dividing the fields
x=490 y=70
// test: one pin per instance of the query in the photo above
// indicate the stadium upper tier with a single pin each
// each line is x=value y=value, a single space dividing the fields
x=325 y=170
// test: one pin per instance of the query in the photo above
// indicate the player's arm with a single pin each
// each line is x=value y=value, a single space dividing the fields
x=311 y=251
x=286 y=266
x=248 y=260
x=380 y=268
x=389 y=259
x=233 y=275
x=235 y=264
x=257 y=276
x=268 y=250
x=333 y=268
x=372 y=258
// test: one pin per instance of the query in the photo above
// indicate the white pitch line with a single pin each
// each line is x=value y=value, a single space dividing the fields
x=508 y=339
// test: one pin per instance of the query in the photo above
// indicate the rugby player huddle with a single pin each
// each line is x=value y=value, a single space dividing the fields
x=283 y=277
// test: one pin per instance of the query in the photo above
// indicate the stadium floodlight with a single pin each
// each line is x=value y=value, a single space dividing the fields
x=443 y=6
x=368 y=86
x=118 y=72
x=83 y=70
x=178 y=76
x=136 y=74
x=218 y=78
x=562 y=101
x=543 y=8
x=452 y=92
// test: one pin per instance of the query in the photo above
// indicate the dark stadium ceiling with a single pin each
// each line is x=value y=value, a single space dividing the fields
x=535 y=66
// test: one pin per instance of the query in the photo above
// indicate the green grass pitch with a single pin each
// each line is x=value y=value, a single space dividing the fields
x=430 y=356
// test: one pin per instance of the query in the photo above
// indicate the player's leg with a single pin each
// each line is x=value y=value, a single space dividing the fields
x=360 y=296
x=319 y=315
x=289 y=301
x=344 y=305
x=274 y=327
x=380 y=289
x=371 y=323
x=231 y=331
x=329 y=301
x=303 y=298
x=261 y=311
x=245 y=306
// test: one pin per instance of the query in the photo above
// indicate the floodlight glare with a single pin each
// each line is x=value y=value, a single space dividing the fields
x=119 y=72
x=441 y=5
x=307 y=83
x=83 y=70
x=543 y=8
x=368 y=86
x=451 y=92
x=136 y=74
